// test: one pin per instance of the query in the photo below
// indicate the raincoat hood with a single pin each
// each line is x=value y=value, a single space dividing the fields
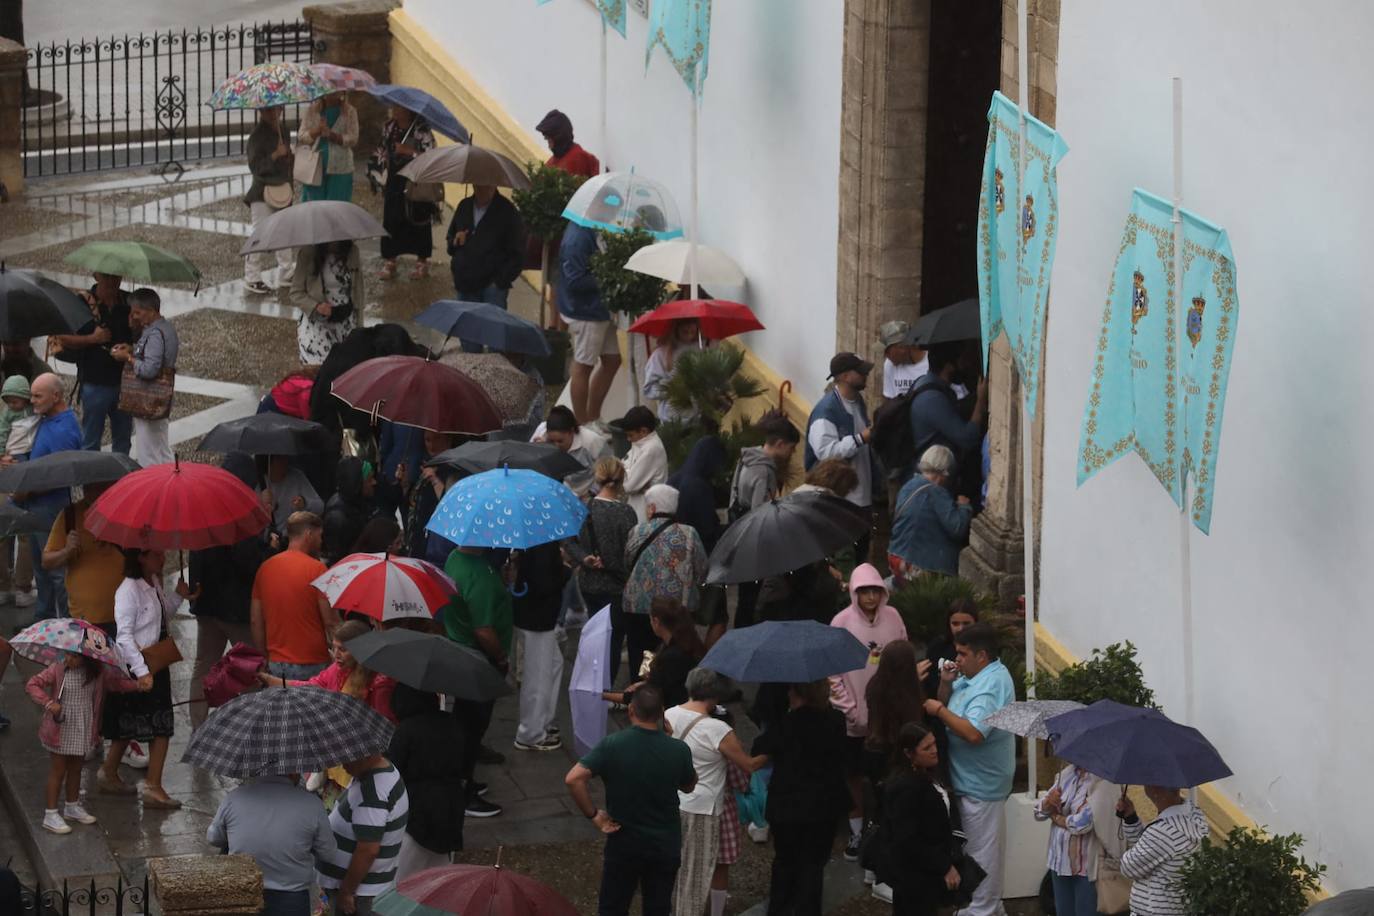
x=242 y=466
x=755 y=457
x=407 y=702
x=866 y=575
x=558 y=128
x=16 y=386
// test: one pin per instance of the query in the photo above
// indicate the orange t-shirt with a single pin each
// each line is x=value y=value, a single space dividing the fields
x=291 y=608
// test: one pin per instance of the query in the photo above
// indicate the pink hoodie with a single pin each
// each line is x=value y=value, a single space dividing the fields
x=847 y=690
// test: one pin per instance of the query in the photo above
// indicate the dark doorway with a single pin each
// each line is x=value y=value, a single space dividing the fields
x=965 y=66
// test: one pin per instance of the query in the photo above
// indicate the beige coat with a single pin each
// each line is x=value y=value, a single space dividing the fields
x=307 y=286
x=340 y=154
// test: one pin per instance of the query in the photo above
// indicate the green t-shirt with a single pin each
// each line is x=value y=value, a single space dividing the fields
x=481 y=601
x=643 y=770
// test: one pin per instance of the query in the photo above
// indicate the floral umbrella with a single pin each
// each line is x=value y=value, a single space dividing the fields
x=48 y=642
x=269 y=85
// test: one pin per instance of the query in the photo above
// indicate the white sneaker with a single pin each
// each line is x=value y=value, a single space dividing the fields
x=315 y=783
x=882 y=892
x=24 y=599
x=75 y=812
x=758 y=834
x=135 y=756
x=53 y=823
x=869 y=877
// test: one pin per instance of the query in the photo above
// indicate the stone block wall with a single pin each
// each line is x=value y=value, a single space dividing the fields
x=13 y=60
x=356 y=34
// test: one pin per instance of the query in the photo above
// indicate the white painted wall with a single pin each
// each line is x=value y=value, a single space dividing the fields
x=769 y=123
x=1278 y=124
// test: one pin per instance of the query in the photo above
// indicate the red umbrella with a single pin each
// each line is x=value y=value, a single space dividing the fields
x=419 y=392
x=470 y=889
x=177 y=507
x=385 y=587
x=719 y=318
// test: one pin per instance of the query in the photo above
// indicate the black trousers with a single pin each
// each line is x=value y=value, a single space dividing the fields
x=640 y=638
x=629 y=865
x=746 y=605
x=475 y=718
x=914 y=902
x=800 y=852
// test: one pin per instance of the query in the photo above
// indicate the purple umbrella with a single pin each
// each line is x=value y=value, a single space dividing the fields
x=1128 y=745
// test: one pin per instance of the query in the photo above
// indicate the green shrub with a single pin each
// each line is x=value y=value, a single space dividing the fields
x=1253 y=874
x=624 y=291
x=541 y=205
x=924 y=604
x=707 y=383
x=1109 y=674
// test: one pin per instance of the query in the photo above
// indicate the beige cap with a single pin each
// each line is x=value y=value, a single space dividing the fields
x=893 y=332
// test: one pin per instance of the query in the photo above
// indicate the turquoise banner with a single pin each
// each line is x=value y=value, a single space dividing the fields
x=1017 y=228
x=682 y=28
x=1141 y=399
x=612 y=13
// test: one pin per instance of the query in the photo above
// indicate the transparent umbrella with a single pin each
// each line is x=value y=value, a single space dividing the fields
x=621 y=201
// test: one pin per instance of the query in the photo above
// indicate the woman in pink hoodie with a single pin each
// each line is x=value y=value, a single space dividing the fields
x=873 y=622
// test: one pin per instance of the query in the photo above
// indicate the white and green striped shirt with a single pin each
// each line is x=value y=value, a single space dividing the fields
x=373 y=810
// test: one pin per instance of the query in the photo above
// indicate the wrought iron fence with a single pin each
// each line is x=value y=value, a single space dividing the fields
x=87 y=899
x=137 y=100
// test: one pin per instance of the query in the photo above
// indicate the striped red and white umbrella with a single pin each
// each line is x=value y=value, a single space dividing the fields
x=385 y=587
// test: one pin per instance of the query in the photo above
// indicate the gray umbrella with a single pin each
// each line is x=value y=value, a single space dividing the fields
x=1351 y=903
x=312 y=223
x=65 y=469
x=1027 y=717
x=466 y=164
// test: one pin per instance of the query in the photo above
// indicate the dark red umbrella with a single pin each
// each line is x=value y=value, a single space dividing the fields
x=414 y=391
x=177 y=507
x=472 y=889
x=719 y=318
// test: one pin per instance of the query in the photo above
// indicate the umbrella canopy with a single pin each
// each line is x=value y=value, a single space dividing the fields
x=266 y=434
x=471 y=889
x=1027 y=717
x=785 y=534
x=476 y=457
x=284 y=730
x=48 y=642
x=180 y=506
x=14 y=520
x=671 y=261
x=414 y=391
x=509 y=509
x=619 y=201
x=312 y=223
x=135 y=260
x=466 y=164
x=31 y=305
x=719 y=318
x=1351 y=903
x=511 y=390
x=345 y=78
x=484 y=324
x=959 y=321
x=786 y=652
x=62 y=470
x=429 y=662
x=384 y=587
x=268 y=85
x=1129 y=745
x=591 y=676
x=424 y=105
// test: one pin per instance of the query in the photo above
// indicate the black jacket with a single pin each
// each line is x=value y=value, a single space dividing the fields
x=918 y=830
x=695 y=483
x=225 y=575
x=538 y=589
x=427 y=749
x=494 y=251
x=346 y=512
x=808 y=784
x=94 y=364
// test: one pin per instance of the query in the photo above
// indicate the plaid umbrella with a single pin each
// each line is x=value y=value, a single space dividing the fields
x=346 y=78
x=48 y=642
x=1027 y=717
x=268 y=85
x=284 y=730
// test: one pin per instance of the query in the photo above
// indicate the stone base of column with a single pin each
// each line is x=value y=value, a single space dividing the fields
x=994 y=560
x=13 y=60
x=356 y=34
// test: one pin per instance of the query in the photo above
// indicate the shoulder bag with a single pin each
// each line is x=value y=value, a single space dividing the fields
x=309 y=165
x=1113 y=888
x=161 y=654
x=278 y=196
x=147 y=398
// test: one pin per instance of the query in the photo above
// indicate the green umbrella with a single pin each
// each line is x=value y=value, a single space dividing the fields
x=135 y=260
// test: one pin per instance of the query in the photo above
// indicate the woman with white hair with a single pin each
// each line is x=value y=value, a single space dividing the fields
x=930 y=525
x=665 y=559
x=702 y=876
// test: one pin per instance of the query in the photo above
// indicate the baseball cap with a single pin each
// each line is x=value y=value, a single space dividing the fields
x=846 y=362
x=639 y=417
x=893 y=332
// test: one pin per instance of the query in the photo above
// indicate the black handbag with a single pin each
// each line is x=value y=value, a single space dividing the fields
x=971 y=874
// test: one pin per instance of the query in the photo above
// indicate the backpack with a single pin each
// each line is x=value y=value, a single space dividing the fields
x=232 y=674
x=892 y=439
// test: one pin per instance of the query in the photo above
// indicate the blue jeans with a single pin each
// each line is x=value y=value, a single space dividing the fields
x=293 y=672
x=628 y=866
x=285 y=903
x=50 y=584
x=97 y=403
x=1074 y=895
x=491 y=294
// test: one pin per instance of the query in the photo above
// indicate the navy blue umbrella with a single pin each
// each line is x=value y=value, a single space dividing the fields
x=786 y=652
x=1131 y=746
x=487 y=325
x=424 y=105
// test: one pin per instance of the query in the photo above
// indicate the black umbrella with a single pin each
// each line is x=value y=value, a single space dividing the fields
x=14 y=520
x=65 y=469
x=959 y=321
x=476 y=457
x=426 y=662
x=31 y=305
x=266 y=434
x=786 y=534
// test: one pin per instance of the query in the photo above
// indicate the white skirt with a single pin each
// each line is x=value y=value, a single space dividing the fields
x=315 y=337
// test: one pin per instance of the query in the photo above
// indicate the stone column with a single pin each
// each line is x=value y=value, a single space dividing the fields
x=13 y=61
x=356 y=34
x=994 y=558
x=882 y=168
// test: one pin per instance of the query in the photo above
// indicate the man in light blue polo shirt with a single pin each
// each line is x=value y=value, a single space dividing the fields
x=982 y=759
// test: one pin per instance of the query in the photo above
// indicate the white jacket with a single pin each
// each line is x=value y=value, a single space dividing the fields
x=141 y=612
x=645 y=466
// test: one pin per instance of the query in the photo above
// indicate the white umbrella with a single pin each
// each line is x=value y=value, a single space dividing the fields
x=591 y=675
x=671 y=261
x=312 y=223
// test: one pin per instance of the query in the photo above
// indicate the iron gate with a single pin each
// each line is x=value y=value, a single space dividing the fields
x=87 y=899
x=138 y=100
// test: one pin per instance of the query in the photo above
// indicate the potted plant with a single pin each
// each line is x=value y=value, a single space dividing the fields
x=541 y=207
x=1252 y=873
x=1108 y=674
x=626 y=292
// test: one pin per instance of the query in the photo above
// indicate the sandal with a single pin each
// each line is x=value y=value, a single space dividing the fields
x=388 y=271
x=420 y=270
x=113 y=786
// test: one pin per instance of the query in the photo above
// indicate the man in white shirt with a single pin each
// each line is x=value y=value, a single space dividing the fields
x=647 y=463
x=903 y=362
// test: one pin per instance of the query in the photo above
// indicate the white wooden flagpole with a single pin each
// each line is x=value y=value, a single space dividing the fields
x=1027 y=455
x=693 y=228
x=1185 y=534
x=605 y=132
